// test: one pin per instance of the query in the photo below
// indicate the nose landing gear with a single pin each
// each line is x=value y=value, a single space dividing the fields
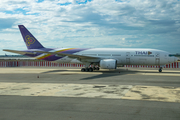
x=83 y=69
x=160 y=69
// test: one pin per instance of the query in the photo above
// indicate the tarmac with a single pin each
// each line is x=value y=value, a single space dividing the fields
x=45 y=93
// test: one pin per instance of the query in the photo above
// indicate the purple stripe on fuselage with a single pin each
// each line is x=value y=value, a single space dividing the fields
x=37 y=54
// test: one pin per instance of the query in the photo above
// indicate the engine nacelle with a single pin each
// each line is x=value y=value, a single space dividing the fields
x=108 y=64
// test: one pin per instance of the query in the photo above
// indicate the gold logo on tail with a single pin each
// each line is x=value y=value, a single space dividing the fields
x=29 y=40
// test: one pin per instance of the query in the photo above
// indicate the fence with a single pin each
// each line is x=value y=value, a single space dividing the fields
x=36 y=64
x=172 y=65
x=16 y=63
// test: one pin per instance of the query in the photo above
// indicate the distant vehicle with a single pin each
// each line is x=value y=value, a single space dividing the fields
x=105 y=58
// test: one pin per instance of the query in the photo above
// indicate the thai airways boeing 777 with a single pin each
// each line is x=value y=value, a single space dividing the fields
x=105 y=58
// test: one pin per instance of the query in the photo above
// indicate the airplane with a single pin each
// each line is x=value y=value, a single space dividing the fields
x=105 y=58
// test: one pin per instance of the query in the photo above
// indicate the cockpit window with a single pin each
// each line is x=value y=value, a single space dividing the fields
x=170 y=55
x=174 y=55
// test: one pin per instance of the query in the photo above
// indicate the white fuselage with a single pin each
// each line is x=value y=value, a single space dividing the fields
x=124 y=56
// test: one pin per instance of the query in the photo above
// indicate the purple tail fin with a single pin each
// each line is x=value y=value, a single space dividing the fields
x=29 y=39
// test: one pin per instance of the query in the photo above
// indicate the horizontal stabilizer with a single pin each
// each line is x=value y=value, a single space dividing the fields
x=18 y=52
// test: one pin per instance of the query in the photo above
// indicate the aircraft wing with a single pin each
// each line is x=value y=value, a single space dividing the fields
x=19 y=52
x=69 y=55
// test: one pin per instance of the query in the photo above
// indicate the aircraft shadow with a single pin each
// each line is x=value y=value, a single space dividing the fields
x=108 y=73
x=111 y=73
x=120 y=72
x=53 y=71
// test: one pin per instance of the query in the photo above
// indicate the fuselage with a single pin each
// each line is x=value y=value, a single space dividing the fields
x=124 y=56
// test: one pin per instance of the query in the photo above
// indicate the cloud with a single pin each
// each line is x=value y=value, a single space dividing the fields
x=6 y=23
x=94 y=23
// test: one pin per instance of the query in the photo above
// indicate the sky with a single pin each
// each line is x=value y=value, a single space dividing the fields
x=92 y=23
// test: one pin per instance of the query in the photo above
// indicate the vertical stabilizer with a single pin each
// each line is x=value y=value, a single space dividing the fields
x=30 y=41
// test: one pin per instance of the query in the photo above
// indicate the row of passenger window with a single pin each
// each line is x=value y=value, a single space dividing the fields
x=144 y=55
x=116 y=55
x=101 y=54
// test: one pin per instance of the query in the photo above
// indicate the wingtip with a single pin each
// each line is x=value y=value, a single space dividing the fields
x=4 y=49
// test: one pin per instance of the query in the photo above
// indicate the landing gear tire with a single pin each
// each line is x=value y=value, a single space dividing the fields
x=90 y=69
x=87 y=70
x=83 y=69
x=94 y=68
x=160 y=69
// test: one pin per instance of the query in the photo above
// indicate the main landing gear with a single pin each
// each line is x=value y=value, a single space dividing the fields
x=89 y=69
x=86 y=70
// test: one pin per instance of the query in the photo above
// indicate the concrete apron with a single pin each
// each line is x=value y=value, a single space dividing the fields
x=152 y=93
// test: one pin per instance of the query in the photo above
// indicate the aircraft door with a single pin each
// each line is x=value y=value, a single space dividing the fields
x=157 y=58
x=127 y=58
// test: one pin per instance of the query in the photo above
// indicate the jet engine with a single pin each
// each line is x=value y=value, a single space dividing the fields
x=108 y=64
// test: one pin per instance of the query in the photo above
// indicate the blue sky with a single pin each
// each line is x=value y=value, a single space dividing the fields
x=92 y=23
